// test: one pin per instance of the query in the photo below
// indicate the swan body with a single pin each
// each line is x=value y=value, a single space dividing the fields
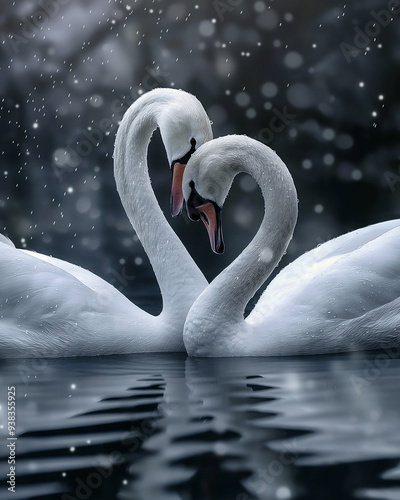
x=50 y=308
x=343 y=295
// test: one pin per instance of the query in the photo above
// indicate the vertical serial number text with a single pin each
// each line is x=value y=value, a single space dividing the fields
x=12 y=439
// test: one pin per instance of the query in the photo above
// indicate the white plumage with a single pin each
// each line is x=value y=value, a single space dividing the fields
x=343 y=295
x=49 y=307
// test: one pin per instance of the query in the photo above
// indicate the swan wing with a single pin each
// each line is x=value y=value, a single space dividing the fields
x=86 y=277
x=343 y=279
x=49 y=307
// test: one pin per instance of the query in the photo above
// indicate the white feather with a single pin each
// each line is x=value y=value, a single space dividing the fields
x=343 y=295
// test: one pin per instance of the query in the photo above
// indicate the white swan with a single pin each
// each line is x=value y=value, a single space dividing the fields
x=50 y=308
x=343 y=295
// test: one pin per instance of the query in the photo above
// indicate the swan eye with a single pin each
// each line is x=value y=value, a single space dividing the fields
x=187 y=156
x=194 y=201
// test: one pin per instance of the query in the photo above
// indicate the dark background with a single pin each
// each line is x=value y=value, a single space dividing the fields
x=65 y=64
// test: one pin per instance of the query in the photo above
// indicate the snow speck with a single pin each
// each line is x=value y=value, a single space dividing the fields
x=328 y=159
x=242 y=99
x=301 y=95
x=344 y=141
x=206 y=28
x=266 y=255
x=293 y=60
x=283 y=493
x=318 y=209
x=269 y=89
x=259 y=6
x=83 y=204
x=247 y=184
x=96 y=101
x=268 y=20
x=328 y=134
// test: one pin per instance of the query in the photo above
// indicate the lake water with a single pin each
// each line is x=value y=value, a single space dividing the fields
x=167 y=427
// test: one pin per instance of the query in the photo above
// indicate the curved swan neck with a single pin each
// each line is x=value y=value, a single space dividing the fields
x=179 y=278
x=230 y=292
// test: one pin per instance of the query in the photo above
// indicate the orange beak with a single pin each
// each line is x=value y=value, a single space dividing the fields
x=176 y=189
x=211 y=216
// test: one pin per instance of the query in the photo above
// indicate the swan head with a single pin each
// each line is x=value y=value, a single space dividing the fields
x=211 y=170
x=207 y=180
x=184 y=127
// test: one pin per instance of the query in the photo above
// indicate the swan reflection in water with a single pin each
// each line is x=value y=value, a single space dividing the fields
x=168 y=427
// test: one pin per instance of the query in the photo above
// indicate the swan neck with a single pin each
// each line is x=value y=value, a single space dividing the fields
x=237 y=284
x=179 y=278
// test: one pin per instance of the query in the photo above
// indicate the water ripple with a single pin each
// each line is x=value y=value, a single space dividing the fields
x=166 y=427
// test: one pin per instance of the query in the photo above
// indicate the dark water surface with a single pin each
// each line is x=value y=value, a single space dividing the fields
x=166 y=427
